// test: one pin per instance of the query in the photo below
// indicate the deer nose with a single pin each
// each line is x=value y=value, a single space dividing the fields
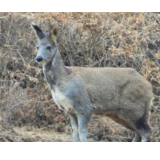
x=39 y=59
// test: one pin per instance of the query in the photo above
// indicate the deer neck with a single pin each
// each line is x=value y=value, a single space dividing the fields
x=55 y=70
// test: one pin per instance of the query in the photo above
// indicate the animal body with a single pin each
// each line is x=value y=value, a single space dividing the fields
x=119 y=93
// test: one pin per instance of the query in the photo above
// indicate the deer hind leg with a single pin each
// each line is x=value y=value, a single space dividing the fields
x=145 y=133
x=74 y=123
x=137 y=137
x=140 y=126
x=144 y=129
x=121 y=120
x=140 y=122
x=146 y=137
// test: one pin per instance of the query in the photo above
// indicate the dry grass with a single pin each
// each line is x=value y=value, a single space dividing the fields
x=109 y=132
x=85 y=39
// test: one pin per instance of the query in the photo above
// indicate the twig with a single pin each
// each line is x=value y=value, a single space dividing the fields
x=21 y=58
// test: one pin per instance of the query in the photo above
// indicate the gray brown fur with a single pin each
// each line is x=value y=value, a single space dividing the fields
x=119 y=93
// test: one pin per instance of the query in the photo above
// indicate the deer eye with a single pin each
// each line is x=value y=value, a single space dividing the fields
x=49 y=48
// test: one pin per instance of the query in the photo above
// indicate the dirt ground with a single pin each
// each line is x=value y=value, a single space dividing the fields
x=32 y=134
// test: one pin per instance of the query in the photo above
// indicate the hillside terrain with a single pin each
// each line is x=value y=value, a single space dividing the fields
x=27 y=111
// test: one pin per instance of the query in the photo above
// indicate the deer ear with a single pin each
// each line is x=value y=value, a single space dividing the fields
x=54 y=32
x=38 y=31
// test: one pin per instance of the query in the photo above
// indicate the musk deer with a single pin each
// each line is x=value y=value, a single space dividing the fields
x=119 y=93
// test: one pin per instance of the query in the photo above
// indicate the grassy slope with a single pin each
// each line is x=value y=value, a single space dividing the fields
x=85 y=39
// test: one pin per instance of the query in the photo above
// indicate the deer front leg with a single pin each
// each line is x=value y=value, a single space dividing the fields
x=74 y=124
x=83 y=124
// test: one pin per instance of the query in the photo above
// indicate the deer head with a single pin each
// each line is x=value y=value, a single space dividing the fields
x=46 y=48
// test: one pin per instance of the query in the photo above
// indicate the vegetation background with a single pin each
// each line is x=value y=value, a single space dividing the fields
x=27 y=111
